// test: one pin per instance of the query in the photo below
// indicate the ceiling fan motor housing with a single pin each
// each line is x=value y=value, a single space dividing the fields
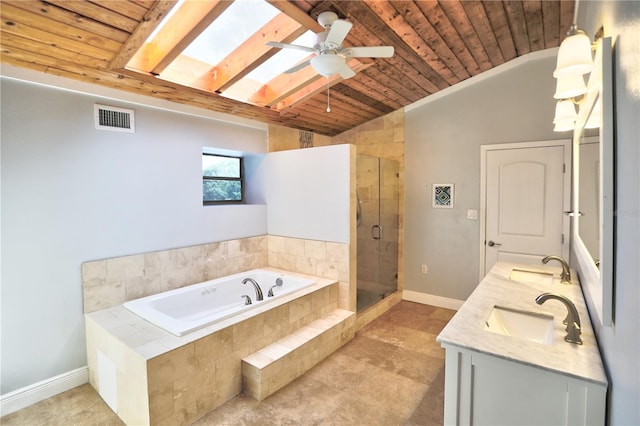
x=325 y=19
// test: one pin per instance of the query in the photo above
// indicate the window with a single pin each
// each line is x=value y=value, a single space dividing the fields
x=221 y=179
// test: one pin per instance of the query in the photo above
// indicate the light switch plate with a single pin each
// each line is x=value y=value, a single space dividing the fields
x=472 y=214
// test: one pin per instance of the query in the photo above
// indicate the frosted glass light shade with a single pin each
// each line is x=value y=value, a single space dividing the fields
x=565 y=110
x=574 y=55
x=564 y=126
x=327 y=65
x=565 y=117
x=570 y=87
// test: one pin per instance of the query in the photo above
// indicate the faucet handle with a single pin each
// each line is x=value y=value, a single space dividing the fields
x=573 y=334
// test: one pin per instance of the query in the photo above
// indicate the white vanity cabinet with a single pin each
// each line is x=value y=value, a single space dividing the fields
x=493 y=377
x=482 y=389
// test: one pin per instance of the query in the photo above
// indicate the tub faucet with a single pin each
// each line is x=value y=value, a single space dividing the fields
x=256 y=286
x=278 y=284
x=565 y=276
x=247 y=299
x=572 y=320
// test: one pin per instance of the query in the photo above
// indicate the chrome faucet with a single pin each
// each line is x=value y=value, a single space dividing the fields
x=247 y=299
x=565 y=276
x=278 y=284
x=256 y=286
x=572 y=319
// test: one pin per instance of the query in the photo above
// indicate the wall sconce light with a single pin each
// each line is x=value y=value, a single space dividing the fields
x=573 y=62
x=565 y=117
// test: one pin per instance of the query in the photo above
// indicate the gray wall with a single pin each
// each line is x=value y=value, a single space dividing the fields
x=620 y=344
x=71 y=193
x=442 y=145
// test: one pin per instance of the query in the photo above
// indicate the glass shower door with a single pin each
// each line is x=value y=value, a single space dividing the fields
x=377 y=217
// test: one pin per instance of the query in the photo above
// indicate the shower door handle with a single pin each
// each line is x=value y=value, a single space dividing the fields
x=376 y=232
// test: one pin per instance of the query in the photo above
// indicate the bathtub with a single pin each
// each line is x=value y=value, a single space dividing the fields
x=190 y=308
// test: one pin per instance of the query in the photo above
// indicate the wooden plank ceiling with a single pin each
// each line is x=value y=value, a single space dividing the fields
x=437 y=44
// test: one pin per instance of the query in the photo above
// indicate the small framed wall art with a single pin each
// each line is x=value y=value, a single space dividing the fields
x=442 y=197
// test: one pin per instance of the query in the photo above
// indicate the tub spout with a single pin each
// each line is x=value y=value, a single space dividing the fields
x=256 y=286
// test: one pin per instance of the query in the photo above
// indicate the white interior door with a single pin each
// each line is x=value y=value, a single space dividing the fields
x=526 y=191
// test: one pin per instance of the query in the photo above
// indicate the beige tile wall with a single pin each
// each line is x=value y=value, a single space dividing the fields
x=111 y=282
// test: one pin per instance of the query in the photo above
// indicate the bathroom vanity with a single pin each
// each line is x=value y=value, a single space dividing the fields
x=507 y=361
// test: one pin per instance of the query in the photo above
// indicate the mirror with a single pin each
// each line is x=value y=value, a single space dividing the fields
x=588 y=223
x=593 y=206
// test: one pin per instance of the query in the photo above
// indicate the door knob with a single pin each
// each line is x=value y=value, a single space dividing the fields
x=492 y=243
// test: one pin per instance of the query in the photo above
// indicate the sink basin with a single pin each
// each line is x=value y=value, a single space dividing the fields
x=531 y=276
x=524 y=325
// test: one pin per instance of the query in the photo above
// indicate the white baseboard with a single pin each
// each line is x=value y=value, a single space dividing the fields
x=433 y=300
x=29 y=395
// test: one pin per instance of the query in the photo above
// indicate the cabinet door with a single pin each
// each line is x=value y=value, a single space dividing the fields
x=505 y=393
x=485 y=390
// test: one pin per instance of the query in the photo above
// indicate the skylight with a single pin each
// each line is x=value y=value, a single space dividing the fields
x=220 y=47
x=283 y=60
x=236 y=24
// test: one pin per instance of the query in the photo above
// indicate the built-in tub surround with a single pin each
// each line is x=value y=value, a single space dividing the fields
x=112 y=282
x=150 y=376
x=193 y=307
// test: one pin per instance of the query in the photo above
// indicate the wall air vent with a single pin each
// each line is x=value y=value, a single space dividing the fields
x=113 y=118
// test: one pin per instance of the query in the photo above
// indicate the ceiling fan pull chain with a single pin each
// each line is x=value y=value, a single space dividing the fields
x=328 y=108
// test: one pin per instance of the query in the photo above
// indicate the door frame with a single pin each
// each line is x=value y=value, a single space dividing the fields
x=566 y=201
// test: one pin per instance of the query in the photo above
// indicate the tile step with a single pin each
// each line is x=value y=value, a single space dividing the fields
x=266 y=371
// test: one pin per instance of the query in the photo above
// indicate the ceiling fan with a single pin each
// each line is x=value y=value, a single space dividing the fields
x=330 y=56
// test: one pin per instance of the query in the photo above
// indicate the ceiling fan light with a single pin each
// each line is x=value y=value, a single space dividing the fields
x=570 y=87
x=328 y=64
x=574 y=55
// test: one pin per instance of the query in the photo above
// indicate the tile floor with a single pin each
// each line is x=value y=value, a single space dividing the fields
x=391 y=373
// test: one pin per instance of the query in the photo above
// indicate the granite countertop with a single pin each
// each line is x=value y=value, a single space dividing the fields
x=466 y=329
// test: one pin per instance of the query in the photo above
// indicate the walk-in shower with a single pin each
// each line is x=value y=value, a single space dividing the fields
x=377 y=185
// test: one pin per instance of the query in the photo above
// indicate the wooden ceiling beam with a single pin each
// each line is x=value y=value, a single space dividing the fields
x=254 y=51
x=297 y=14
x=152 y=19
x=178 y=32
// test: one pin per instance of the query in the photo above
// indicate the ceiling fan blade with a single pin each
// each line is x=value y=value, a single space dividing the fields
x=369 y=52
x=289 y=46
x=339 y=30
x=346 y=72
x=298 y=67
